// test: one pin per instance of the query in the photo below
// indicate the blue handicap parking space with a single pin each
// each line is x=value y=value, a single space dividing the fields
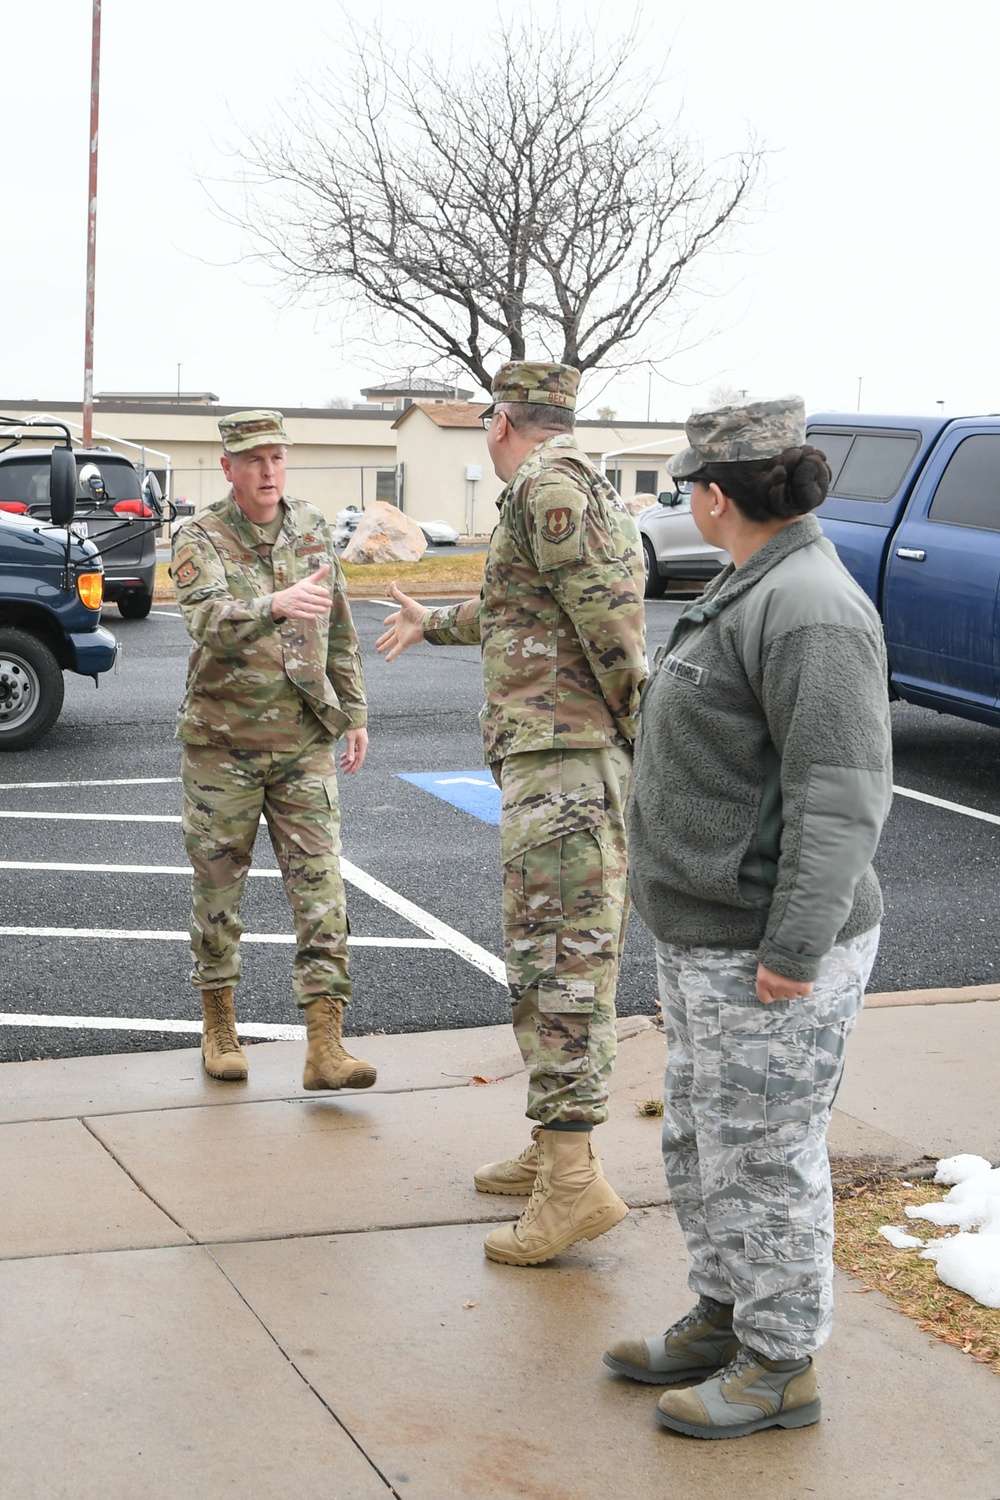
x=474 y=792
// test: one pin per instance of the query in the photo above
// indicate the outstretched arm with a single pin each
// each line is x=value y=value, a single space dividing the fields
x=406 y=626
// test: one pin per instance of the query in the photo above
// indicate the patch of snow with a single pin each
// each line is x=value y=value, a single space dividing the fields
x=899 y=1239
x=954 y=1169
x=970 y=1263
x=967 y=1261
x=973 y=1203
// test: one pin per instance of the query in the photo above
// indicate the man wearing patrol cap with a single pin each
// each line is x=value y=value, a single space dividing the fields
x=561 y=623
x=274 y=678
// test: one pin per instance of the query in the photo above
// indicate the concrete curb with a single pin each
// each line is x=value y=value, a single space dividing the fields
x=964 y=996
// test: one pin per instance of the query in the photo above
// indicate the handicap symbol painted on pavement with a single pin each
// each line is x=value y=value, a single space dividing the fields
x=474 y=792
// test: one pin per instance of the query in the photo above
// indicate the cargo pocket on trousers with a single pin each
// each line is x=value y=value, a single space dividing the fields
x=565 y=1008
x=767 y=1071
x=553 y=864
x=786 y=1279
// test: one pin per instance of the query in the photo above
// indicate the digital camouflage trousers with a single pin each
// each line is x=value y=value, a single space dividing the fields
x=748 y=1094
x=565 y=908
x=225 y=794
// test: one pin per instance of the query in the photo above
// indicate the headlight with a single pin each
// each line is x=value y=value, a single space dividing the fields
x=90 y=587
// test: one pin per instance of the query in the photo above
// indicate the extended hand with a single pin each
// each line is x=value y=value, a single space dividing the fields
x=406 y=626
x=305 y=600
x=355 y=748
x=771 y=986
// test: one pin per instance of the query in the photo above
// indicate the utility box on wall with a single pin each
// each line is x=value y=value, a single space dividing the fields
x=473 y=471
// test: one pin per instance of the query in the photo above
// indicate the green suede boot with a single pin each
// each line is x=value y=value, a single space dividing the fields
x=696 y=1345
x=750 y=1394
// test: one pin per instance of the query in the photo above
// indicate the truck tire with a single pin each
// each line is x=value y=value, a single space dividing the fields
x=135 y=606
x=656 y=586
x=31 y=689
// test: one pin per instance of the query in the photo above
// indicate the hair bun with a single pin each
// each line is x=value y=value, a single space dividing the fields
x=796 y=483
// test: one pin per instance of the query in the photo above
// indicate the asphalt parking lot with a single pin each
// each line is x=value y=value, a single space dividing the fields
x=95 y=886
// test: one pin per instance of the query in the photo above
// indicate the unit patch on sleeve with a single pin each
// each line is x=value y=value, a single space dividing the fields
x=559 y=524
x=186 y=572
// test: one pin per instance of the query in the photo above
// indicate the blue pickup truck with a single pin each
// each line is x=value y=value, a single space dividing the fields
x=914 y=512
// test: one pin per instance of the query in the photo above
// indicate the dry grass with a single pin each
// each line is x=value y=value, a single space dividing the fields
x=464 y=570
x=866 y=1202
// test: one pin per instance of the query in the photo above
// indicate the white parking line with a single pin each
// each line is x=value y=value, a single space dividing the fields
x=38 y=786
x=446 y=936
x=75 y=817
x=464 y=947
x=141 y=1023
x=155 y=936
x=45 y=864
x=957 y=807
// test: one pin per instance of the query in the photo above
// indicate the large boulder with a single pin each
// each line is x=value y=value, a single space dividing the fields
x=385 y=535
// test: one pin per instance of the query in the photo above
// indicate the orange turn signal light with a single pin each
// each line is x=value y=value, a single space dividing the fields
x=90 y=587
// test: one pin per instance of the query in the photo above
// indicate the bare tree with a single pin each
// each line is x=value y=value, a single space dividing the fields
x=535 y=204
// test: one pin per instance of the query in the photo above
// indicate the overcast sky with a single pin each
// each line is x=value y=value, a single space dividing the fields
x=874 y=255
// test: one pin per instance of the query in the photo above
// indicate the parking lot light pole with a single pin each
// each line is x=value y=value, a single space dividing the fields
x=88 y=337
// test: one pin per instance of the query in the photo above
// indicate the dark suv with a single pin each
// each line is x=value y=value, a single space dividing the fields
x=111 y=509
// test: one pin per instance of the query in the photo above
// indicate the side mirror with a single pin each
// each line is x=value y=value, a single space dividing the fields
x=153 y=495
x=62 y=486
x=92 y=479
x=670 y=498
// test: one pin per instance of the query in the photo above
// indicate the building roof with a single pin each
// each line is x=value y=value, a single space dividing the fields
x=159 y=398
x=418 y=386
x=447 y=413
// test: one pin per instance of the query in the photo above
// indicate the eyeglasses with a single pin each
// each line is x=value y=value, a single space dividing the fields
x=487 y=420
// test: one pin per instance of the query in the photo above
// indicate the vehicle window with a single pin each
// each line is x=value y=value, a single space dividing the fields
x=835 y=445
x=27 y=482
x=120 y=480
x=27 y=479
x=645 y=481
x=968 y=493
x=876 y=465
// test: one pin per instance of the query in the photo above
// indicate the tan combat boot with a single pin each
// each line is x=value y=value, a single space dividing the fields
x=221 y=1052
x=571 y=1200
x=514 y=1178
x=328 y=1066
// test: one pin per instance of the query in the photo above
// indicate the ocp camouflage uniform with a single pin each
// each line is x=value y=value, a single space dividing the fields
x=748 y=1095
x=561 y=623
x=264 y=702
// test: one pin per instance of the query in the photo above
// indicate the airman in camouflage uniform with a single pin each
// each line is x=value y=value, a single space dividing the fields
x=763 y=778
x=274 y=678
x=561 y=624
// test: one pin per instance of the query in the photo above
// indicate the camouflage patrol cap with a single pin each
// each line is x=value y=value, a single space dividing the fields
x=242 y=430
x=535 y=384
x=732 y=434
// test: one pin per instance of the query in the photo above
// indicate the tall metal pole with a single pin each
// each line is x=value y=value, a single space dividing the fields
x=88 y=338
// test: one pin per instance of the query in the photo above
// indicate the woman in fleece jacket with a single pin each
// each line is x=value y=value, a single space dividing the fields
x=762 y=780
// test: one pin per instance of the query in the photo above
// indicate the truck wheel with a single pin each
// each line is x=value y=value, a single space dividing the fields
x=135 y=606
x=31 y=689
x=656 y=586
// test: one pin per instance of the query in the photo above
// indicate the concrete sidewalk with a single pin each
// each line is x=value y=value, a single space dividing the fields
x=211 y=1289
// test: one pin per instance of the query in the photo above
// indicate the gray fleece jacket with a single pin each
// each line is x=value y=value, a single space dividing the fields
x=763 y=765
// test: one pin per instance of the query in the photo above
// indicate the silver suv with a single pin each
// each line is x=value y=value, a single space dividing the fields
x=672 y=545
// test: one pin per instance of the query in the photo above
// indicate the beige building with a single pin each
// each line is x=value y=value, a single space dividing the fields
x=430 y=458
